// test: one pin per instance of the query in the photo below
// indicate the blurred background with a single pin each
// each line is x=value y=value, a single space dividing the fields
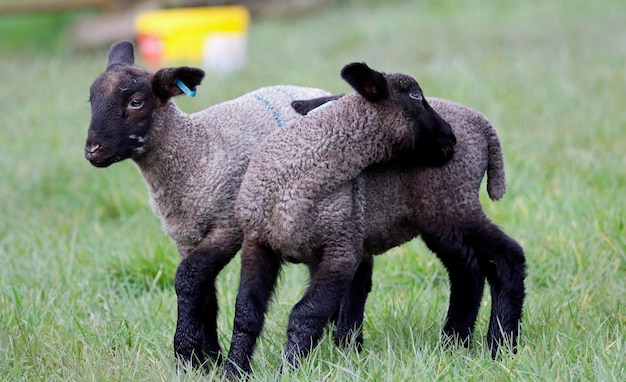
x=86 y=273
x=97 y=23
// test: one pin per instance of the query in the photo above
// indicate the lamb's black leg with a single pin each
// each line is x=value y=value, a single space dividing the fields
x=502 y=260
x=196 y=339
x=330 y=279
x=467 y=282
x=349 y=317
x=259 y=271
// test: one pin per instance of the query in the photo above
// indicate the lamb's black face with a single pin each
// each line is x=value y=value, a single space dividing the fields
x=122 y=103
x=434 y=140
x=123 y=100
x=429 y=139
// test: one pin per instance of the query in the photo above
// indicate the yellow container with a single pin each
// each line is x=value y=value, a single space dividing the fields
x=215 y=36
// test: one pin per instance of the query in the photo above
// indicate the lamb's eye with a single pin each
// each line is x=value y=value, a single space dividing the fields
x=136 y=103
x=416 y=96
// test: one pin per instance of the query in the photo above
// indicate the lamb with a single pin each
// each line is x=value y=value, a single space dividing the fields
x=192 y=165
x=382 y=207
x=394 y=123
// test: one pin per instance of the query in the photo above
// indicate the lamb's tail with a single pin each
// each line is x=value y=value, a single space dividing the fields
x=496 y=179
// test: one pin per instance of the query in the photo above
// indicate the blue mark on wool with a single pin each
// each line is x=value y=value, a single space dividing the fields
x=286 y=94
x=272 y=110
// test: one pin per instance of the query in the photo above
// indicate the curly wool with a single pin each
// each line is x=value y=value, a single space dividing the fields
x=278 y=179
x=195 y=163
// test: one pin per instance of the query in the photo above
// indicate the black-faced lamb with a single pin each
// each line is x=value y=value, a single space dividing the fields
x=384 y=206
x=193 y=166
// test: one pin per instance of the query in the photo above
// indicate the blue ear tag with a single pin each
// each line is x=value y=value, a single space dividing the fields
x=184 y=88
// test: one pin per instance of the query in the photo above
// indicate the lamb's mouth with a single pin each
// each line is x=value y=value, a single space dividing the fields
x=103 y=162
x=447 y=153
x=97 y=159
x=439 y=157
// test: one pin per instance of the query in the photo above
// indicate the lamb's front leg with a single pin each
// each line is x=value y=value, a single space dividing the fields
x=330 y=279
x=259 y=271
x=195 y=339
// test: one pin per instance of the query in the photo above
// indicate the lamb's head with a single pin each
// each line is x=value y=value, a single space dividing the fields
x=432 y=140
x=123 y=101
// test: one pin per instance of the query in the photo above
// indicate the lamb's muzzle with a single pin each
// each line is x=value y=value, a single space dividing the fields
x=441 y=149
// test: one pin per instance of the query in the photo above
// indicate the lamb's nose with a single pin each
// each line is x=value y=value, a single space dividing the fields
x=91 y=149
x=452 y=138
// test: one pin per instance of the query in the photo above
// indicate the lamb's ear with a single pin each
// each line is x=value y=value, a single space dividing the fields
x=170 y=82
x=121 y=53
x=304 y=106
x=369 y=83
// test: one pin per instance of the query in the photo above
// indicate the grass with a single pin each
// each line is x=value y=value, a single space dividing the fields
x=86 y=273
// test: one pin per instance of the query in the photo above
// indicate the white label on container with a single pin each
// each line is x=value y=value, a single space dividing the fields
x=224 y=52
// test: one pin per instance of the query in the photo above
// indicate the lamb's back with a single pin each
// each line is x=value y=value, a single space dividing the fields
x=401 y=204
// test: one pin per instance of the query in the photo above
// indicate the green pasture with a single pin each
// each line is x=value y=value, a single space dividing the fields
x=86 y=273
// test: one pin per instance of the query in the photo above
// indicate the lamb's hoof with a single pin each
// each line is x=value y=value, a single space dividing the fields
x=500 y=346
x=233 y=372
x=453 y=338
x=349 y=340
x=198 y=359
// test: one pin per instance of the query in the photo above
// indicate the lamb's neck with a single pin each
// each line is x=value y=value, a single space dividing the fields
x=169 y=147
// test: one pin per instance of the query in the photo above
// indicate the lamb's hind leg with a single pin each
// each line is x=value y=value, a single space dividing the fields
x=259 y=271
x=349 y=316
x=195 y=340
x=467 y=282
x=502 y=260
x=330 y=278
